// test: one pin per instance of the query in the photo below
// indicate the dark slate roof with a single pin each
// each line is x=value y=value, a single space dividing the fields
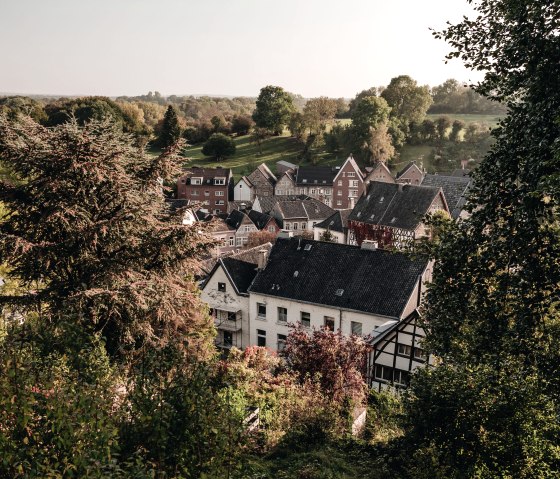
x=404 y=170
x=260 y=219
x=236 y=218
x=336 y=222
x=239 y=205
x=454 y=188
x=207 y=174
x=268 y=202
x=394 y=205
x=240 y=272
x=309 y=208
x=315 y=175
x=460 y=172
x=373 y=281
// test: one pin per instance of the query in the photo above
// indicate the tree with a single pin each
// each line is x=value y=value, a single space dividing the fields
x=170 y=129
x=241 y=125
x=338 y=360
x=89 y=239
x=219 y=146
x=257 y=238
x=359 y=97
x=456 y=129
x=258 y=137
x=490 y=408
x=407 y=100
x=318 y=113
x=442 y=125
x=379 y=145
x=369 y=113
x=273 y=109
x=327 y=236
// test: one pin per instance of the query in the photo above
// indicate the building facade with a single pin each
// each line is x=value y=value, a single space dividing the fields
x=211 y=188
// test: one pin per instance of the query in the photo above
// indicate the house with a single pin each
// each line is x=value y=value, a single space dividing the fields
x=286 y=185
x=411 y=174
x=348 y=185
x=283 y=166
x=455 y=189
x=243 y=226
x=186 y=209
x=317 y=182
x=226 y=293
x=348 y=288
x=336 y=224
x=212 y=188
x=264 y=222
x=265 y=204
x=379 y=172
x=393 y=214
x=298 y=214
x=223 y=233
x=396 y=352
x=260 y=182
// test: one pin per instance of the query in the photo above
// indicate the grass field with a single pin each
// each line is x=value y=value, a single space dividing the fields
x=248 y=155
x=491 y=120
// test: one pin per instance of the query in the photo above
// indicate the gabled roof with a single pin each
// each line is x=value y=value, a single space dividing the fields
x=380 y=165
x=262 y=177
x=460 y=172
x=267 y=203
x=309 y=208
x=387 y=329
x=239 y=272
x=315 y=175
x=341 y=276
x=394 y=205
x=410 y=165
x=454 y=188
x=259 y=219
x=338 y=221
x=207 y=174
x=237 y=218
x=354 y=165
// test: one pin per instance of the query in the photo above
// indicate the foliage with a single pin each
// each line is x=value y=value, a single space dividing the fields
x=241 y=124
x=13 y=106
x=337 y=360
x=318 y=113
x=219 y=146
x=379 y=145
x=407 y=100
x=273 y=109
x=327 y=236
x=88 y=236
x=170 y=130
x=369 y=113
x=257 y=238
x=490 y=408
x=452 y=97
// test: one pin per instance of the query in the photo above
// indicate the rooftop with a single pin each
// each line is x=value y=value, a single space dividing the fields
x=338 y=221
x=454 y=188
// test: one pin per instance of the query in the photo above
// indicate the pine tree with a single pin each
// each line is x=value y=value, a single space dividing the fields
x=170 y=129
x=90 y=240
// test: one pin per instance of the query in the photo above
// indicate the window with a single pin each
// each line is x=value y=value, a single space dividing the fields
x=281 y=342
x=305 y=319
x=194 y=192
x=339 y=192
x=279 y=192
x=353 y=193
x=231 y=241
x=247 y=228
x=221 y=286
x=339 y=182
x=350 y=174
x=261 y=337
x=231 y=316
x=219 y=181
x=206 y=193
x=287 y=226
x=338 y=202
x=321 y=191
x=419 y=354
x=228 y=339
x=404 y=349
x=261 y=310
x=304 y=226
x=312 y=191
x=196 y=181
x=271 y=229
x=282 y=314
x=329 y=323
x=219 y=202
x=238 y=242
x=383 y=372
x=353 y=183
x=295 y=226
x=244 y=240
x=356 y=328
x=219 y=193
x=401 y=377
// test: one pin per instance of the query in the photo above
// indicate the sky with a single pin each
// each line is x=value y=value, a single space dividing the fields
x=334 y=48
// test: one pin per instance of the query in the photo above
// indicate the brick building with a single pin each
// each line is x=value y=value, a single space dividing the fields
x=212 y=188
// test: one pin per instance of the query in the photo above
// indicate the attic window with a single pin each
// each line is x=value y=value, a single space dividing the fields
x=296 y=273
x=393 y=220
x=304 y=181
x=371 y=217
x=359 y=214
x=307 y=247
x=381 y=199
x=324 y=181
x=339 y=292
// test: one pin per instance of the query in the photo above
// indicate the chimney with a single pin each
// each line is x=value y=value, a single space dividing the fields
x=369 y=244
x=261 y=259
x=400 y=186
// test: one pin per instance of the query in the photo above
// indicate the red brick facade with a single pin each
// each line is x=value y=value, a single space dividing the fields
x=212 y=188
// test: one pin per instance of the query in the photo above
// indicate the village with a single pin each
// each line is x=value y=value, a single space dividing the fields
x=323 y=247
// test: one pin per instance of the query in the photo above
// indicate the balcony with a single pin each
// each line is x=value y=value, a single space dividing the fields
x=227 y=320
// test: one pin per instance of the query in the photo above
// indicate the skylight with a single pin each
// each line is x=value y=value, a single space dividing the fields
x=307 y=247
x=339 y=292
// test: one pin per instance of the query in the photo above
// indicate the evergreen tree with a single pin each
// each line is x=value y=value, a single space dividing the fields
x=490 y=407
x=170 y=129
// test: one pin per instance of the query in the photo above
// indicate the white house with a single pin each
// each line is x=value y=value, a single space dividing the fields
x=334 y=285
x=336 y=224
x=396 y=351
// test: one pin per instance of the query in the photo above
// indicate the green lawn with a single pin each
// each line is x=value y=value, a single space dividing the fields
x=491 y=120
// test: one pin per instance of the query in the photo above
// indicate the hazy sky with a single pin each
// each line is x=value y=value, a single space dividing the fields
x=234 y=47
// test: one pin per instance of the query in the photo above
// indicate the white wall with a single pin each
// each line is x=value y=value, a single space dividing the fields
x=242 y=191
x=230 y=300
x=337 y=235
x=273 y=327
